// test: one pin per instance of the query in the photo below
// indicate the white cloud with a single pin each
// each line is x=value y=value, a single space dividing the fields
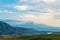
x=23 y=0
x=47 y=18
x=34 y=1
x=0 y=10
x=36 y=18
x=18 y=7
x=6 y=11
x=49 y=0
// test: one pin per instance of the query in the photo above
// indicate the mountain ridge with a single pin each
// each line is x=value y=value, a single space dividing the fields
x=40 y=27
x=7 y=29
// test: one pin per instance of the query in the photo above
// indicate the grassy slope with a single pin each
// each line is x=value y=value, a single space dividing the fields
x=32 y=37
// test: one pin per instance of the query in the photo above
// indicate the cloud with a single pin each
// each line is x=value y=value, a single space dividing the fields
x=23 y=0
x=0 y=11
x=49 y=0
x=34 y=1
x=51 y=7
x=6 y=11
x=18 y=7
x=36 y=18
x=47 y=19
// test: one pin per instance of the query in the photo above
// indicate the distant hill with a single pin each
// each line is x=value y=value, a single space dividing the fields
x=40 y=27
x=27 y=28
x=6 y=29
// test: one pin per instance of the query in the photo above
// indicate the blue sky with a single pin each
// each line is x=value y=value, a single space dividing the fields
x=37 y=11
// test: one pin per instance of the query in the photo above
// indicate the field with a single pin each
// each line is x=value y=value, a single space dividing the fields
x=31 y=37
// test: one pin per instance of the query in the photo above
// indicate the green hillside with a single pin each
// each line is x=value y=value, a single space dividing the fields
x=31 y=37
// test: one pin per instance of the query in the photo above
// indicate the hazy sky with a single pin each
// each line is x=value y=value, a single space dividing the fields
x=37 y=11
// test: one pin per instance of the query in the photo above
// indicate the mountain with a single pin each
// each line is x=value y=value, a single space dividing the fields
x=27 y=31
x=30 y=28
x=40 y=27
x=6 y=29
